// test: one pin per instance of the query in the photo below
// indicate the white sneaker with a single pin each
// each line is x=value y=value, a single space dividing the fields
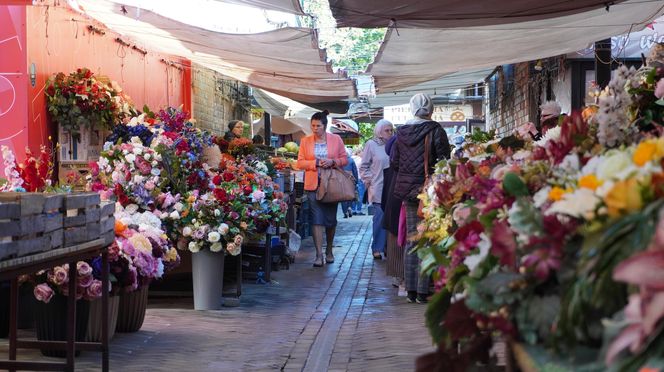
x=402 y=291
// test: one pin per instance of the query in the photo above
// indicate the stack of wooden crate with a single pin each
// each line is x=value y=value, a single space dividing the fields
x=36 y=222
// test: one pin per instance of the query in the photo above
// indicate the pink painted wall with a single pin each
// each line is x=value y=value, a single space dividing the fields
x=13 y=79
x=59 y=41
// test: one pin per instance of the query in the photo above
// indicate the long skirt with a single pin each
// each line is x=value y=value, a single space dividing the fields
x=413 y=279
x=395 y=256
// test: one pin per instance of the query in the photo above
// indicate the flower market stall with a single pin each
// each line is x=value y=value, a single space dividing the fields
x=169 y=196
x=554 y=246
x=165 y=197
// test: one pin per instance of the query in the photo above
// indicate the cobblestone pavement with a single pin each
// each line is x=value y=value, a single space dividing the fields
x=342 y=317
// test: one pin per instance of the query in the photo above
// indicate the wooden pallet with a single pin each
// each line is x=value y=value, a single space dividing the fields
x=29 y=223
x=36 y=222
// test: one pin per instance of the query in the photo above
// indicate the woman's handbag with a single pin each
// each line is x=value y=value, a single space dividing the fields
x=427 y=150
x=336 y=185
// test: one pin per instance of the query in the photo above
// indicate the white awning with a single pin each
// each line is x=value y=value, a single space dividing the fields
x=287 y=60
x=453 y=13
x=412 y=56
x=288 y=6
x=439 y=88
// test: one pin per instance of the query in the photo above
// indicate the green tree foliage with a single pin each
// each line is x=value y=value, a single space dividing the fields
x=366 y=132
x=351 y=49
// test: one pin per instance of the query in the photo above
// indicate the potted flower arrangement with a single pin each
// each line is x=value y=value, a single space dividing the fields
x=79 y=100
x=144 y=254
x=554 y=244
x=51 y=290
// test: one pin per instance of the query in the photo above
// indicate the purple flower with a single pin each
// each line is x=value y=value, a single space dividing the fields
x=85 y=281
x=93 y=291
x=43 y=292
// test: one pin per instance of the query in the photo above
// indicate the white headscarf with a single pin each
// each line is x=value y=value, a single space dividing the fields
x=421 y=105
x=379 y=126
x=549 y=110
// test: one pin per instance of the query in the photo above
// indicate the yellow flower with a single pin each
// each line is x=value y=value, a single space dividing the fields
x=556 y=193
x=172 y=255
x=243 y=225
x=590 y=182
x=141 y=243
x=645 y=152
x=625 y=196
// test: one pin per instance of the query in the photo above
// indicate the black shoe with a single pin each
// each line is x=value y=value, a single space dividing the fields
x=377 y=256
x=421 y=299
x=411 y=297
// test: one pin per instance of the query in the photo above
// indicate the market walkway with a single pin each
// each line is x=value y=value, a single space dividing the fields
x=344 y=317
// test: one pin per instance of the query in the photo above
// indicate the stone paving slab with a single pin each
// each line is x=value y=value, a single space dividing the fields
x=347 y=313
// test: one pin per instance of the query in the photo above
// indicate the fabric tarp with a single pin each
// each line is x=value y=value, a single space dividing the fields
x=414 y=56
x=286 y=60
x=282 y=126
x=442 y=87
x=288 y=6
x=452 y=13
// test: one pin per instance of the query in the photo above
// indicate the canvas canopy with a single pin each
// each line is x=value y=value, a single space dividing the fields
x=279 y=125
x=288 y=6
x=286 y=60
x=412 y=56
x=442 y=87
x=453 y=13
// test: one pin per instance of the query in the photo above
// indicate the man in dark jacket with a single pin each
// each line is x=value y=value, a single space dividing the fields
x=408 y=161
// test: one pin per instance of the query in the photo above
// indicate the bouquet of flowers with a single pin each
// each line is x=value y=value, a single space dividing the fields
x=209 y=221
x=240 y=147
x=80 y=100
x=129 y=171
x=141 y=251
x=536 y=240
x=32 y=175
x=56 y=280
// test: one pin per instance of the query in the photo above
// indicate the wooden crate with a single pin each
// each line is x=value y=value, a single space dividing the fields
x=107 y=221
x=82 y=217
x=29 y=223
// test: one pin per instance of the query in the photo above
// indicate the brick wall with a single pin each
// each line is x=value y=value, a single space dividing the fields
x=218 y=99
x=512 y=103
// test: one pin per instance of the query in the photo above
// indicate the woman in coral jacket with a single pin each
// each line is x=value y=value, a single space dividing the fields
x=321 y=150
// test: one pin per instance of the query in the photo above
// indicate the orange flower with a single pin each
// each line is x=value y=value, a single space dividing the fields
x=644 y=153
x=624 y=197
x=589 y=112
x=119 y=227
x=556 y=193
x=590 y=182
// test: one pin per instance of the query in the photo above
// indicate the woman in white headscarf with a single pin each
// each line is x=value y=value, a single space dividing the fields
x=374 y=161
x=408 y=160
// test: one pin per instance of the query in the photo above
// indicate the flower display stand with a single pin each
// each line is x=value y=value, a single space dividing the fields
x=11 y=269
x=50 y=324
x=131 y=310
x=95 y=319
x=208 y=279
x=257 y=257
